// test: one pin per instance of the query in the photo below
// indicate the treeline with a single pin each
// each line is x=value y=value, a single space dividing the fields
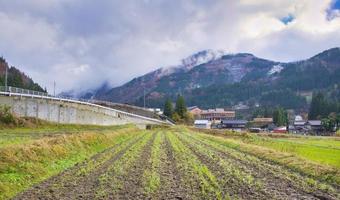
x=16 y=78
x=279 y=114
x=231 y=94
x=179 y=114
x=326 y=110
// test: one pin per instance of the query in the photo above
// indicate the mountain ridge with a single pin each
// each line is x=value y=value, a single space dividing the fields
x=209 y=69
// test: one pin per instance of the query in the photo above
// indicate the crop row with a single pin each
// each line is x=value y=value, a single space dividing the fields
x=23 y=165
x=262 y=169
x=231 y=177
x=151 y=176
x=113 y=179
x=195 y=174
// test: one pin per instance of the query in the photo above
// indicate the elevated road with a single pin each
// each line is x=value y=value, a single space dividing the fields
x=27 y=103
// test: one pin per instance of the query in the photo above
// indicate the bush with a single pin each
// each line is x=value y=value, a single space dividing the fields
x=337 y=133
x=6 y=115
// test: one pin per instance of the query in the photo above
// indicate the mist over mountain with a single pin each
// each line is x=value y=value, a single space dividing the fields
x=212 y=78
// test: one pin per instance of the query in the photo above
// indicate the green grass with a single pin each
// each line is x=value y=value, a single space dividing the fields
x=322 y=150
x=23 y=163
x=10 y=136
x=55 y=128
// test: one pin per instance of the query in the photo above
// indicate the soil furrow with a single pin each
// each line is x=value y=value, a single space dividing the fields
x=132 y=182
x=68 y=185
x=171 y=187
x=178 y=165
x=271 y=176
x=199 y=183
x=230 y=185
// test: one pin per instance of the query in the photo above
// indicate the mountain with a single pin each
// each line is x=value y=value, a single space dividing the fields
x=210 y=79
x=16 y=78
x=86 y=94
x=134 y=89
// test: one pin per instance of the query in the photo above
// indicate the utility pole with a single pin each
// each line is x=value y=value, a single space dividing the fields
x=54 y=88
x=6 y=77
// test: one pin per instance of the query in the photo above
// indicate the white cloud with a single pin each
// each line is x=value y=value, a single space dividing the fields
x=82 y=43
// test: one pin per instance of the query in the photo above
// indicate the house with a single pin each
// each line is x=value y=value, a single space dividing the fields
x=202 y=124
x=299 y=126
x=234 y=124
x=217 y=114
x=314 y=125
x=195 y=111
x=262 y=122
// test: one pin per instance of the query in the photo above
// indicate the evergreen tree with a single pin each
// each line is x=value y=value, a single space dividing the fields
x=280 y=117
x=181 y=108
x=318 y=106
x=168 y=109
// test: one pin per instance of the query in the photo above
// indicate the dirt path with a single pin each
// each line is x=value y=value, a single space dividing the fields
x=274 y=179
x=73 y=185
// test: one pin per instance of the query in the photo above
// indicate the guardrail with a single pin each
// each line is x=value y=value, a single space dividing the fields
x=11 y=89
x=14 y=91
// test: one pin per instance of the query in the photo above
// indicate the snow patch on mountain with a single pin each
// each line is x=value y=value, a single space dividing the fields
x=275 y=69
x=165 y=71
x=201 y=58
x=191 y=62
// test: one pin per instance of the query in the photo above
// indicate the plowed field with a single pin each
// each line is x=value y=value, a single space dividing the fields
x=175 y=164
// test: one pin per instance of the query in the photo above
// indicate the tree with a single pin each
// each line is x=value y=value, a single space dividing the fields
x=280 y=117
x=181 y=108
x=168 y=109
x=189 y=118
x=328 y=123
x=318 y=106
x=176 y=117
x=331 y=122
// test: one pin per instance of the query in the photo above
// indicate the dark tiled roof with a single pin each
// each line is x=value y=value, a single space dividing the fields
x=234 y=121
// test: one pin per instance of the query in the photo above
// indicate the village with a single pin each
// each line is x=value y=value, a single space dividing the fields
x=220 y=118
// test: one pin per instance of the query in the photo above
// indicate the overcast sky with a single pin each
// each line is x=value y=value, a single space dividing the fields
x=81 y=43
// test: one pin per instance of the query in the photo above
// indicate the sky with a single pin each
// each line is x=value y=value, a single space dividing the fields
x=82 y=43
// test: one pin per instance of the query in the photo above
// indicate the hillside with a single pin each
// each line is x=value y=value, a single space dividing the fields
x=210 y=78
x=16 y=78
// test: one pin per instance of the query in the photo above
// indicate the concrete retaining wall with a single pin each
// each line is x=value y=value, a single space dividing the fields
x=67 y=112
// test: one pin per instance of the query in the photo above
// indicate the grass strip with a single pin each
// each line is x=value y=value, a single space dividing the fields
x=23 y=165
x=27 y=135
